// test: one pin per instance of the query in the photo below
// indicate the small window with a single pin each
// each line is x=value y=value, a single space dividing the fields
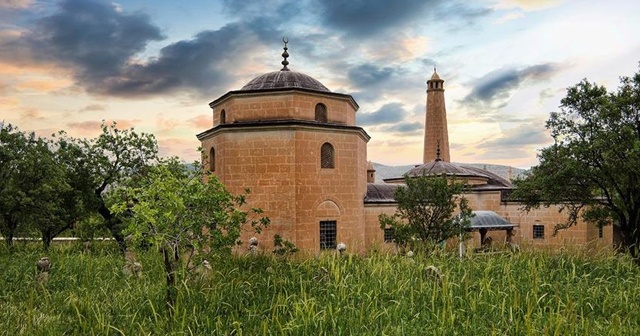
x=388 y=235
x=600 y=232
x=327 y=235
x=223 y=117
x=538 y=232
x=212 y=159
x=321 y=113
x=327 y=156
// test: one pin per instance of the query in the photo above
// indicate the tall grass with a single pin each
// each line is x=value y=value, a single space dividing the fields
x=530 y=293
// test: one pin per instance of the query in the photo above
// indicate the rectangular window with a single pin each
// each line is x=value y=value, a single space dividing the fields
x=388 y=235
x=600 y=232
x=327 y=235
x=538 y=232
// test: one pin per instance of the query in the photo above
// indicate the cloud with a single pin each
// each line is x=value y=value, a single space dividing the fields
x=93 y=107
x=100 y=44
x=93 y=37
x=180 y=147
x=496 y=87
x=366 y=18
x=362 y=18
x=15 y=4
x=524 y=135
x=203 y=121
x=529 y=5
x=93 y=127
x=366 y=75
x=407 y=128
x=44 y=85
x=387 y=114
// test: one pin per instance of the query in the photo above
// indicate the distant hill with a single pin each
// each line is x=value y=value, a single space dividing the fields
x=385 y=172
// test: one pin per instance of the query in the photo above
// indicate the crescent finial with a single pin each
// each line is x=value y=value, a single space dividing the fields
x=285 y=54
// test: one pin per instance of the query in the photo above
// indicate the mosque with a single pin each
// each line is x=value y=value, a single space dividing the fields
x=296 y=145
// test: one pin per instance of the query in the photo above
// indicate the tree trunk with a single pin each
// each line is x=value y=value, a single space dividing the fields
x=8 y=238
x=10 y=231
x=113 y=224
x=170 y=259
x=46 y=240
x=630 y=240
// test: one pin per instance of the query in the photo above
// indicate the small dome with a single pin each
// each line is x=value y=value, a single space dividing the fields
x=435 y=75
x=439 y=167
x=284 y=79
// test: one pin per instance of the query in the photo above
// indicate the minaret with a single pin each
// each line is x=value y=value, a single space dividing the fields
x=436 y=136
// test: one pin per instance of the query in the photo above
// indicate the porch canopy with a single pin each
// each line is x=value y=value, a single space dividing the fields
x=485 y=221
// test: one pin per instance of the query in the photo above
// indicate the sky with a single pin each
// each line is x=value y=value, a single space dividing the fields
x=155 y=65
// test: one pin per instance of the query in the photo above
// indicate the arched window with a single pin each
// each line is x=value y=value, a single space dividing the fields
x=321 y=113
x=212 y=159
x=223 y=117
x=327 y=156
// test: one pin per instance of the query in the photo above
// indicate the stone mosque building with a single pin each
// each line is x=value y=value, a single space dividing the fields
x=296 y=145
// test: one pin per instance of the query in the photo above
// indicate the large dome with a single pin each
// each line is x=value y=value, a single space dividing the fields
x=284 y=79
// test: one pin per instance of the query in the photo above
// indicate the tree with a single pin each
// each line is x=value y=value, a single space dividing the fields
x=30 y=186
x=13 y=145
x=74 y=203
x=425 y=211
x=98 y=165
x=177 y=211
x=591 y=169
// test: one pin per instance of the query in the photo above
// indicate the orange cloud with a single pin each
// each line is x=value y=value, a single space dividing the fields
x=30 y=113
x=167 y=124
x=93 y=107
x=202 y=122
x=44 y=85
x=90 y=128
x=21 y=67
x=8 y=102
x=180 y=147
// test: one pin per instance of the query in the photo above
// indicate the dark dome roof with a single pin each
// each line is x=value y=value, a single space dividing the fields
x=284 y=79
x=439 y=167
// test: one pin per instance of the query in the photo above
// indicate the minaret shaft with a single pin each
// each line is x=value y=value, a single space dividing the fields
x=435 y=128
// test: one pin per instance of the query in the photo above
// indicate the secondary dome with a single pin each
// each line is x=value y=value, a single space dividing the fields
x=285 y=79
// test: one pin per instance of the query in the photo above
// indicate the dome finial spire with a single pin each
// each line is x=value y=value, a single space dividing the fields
x=285 y=54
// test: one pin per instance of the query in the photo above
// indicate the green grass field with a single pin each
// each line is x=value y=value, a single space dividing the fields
x=529 y=293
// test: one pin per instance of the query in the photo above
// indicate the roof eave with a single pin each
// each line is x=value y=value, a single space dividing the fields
x=261 y=92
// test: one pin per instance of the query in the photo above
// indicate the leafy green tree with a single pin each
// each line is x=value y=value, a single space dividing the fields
x=98 y=165
x=13 y=145
x=30 y=185
x=591 y=169
x=425 y=212
x=177 y=211
x=74 y=203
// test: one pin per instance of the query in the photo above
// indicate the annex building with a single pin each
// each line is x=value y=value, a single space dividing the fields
x=296 y=145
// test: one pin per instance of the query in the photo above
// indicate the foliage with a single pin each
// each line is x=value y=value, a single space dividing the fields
x=530 y=293
x=113 y=158
x=177 y=212
x=425 y=212
x=591 y=169
x=50 y=185
x=90 y=227
x=31 y=186
x=283 y=247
